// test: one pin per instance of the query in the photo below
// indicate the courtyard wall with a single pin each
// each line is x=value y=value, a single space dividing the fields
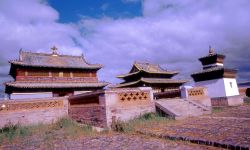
x=33 y=111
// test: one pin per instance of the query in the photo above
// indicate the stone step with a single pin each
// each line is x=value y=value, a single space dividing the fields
x=180 y=108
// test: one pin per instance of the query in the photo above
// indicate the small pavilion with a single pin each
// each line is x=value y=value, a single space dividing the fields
x=151 y=75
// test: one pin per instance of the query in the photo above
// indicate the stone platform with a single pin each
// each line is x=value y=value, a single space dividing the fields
x=181 y=108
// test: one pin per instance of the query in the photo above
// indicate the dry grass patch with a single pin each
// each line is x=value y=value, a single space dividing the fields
x=145 y=121
x=217 y=109
x=65 y=128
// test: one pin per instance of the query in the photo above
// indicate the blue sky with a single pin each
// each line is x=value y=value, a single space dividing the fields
x=73 y=11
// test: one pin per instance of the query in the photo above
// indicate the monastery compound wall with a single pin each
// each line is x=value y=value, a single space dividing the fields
x=102 y=110
x=126 y=104
x=33 y=111
x=196 y=94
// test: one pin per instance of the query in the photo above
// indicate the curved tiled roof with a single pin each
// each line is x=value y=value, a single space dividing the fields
x=162 y=80
x=52 y=60
x=153 y=80
x=149 y=68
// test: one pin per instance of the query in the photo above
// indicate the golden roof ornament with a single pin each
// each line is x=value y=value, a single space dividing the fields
x=211 y=50
x=54 y=51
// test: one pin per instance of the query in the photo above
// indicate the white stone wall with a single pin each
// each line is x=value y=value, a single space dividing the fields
x=220 y=87
x=215 y=87
x=30 y=95
x=127 y=110
x=231 y=87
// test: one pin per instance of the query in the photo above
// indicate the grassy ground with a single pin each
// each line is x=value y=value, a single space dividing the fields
x=147 y=120
x=63 y=129
x=69 y=129
x=217 y=109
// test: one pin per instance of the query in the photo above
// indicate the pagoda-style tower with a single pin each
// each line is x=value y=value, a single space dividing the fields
x=46 y=75
x=220 y=81
x=152 y=75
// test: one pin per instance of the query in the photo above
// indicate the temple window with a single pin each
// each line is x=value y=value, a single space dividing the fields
x=60 y=74
x=37 y=73
x=50 y=74
x=66 y=74
x=55 y=74
x=81 y=74
x=21 y=73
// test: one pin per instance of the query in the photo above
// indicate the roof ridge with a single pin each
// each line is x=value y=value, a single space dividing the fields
x=164 y=79
x=49 y=54
x=152 y=64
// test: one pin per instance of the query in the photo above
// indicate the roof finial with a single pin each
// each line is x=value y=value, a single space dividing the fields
x=211 y=50
x=20 y=54
x=54 y=50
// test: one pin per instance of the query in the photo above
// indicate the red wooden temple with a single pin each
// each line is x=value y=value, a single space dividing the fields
x=47 y=75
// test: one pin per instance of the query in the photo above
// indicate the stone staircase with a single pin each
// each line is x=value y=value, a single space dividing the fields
x=181 y=108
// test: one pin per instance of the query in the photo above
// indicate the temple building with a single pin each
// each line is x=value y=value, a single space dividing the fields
x=220 y=81
x=51 y=75
x=151 y=75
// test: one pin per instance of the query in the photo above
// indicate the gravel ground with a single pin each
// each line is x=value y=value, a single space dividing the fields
x=230 y=127
x=113 y=142
x=240 y=112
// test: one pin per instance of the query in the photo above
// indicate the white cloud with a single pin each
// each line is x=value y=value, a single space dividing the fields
x=32 y=25
x=173 y=33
